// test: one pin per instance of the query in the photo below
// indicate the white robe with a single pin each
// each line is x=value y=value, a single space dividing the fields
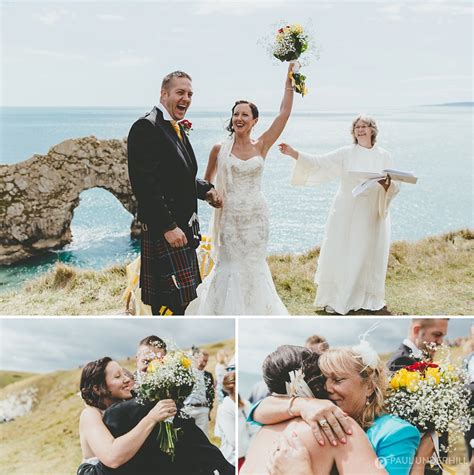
x=354 y=253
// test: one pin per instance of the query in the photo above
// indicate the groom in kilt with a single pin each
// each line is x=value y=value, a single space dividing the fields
x=162 y=169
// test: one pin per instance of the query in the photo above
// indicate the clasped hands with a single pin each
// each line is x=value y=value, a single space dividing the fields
x=214 y=198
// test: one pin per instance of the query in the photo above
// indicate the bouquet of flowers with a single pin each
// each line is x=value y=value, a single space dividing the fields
x=290 y=42
x=171 y=377
x=431 y=396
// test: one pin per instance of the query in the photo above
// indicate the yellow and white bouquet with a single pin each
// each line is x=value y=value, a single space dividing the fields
x=171 y=377
x=290 y=43
x=433 y=397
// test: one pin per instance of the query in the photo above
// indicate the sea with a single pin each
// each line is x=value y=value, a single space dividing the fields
x=434 y=142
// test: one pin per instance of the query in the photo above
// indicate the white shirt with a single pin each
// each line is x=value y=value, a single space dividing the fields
x=166 y=114
x=417 y=353
x=198 y=394
x=225 y=428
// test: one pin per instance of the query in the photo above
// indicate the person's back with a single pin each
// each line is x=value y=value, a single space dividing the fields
x=265 y=442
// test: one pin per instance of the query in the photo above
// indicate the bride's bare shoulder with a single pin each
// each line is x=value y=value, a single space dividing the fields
x=90 y=413
x=303 y=430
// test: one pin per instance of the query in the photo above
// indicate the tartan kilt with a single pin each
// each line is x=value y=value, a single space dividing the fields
x=168 y=276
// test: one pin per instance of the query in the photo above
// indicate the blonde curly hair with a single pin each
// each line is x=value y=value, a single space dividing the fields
x=339 y=361
x=366 y=119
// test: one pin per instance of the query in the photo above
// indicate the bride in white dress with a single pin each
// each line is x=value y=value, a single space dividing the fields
x=240 y=282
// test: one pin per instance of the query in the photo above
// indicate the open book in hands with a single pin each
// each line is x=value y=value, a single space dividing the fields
x=371 y=179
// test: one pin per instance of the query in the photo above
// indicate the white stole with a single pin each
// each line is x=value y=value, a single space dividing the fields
x=222 y=182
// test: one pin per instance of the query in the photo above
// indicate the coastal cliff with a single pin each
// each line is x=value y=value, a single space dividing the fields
x=39 y=195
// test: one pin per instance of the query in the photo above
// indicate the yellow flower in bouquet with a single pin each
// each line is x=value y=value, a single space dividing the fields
x=152 y=366
x=399 y=379
x=433 y=375
x=289 y=43
x=431 y=396
x=186 y=362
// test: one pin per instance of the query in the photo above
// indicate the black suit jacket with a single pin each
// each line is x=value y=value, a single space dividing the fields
x=401 y=358
x=194 y=455
x=210 y=390
x=162 y=171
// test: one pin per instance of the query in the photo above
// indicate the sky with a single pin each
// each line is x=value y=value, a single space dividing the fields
x=115 y=53
x=258 y=338
x=41 y=345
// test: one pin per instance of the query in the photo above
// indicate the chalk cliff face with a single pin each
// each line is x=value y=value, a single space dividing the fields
x=38 y=196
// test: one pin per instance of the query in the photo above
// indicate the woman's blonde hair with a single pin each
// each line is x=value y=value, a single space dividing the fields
x=368 y=121
x=338 y=361
x=222 y=356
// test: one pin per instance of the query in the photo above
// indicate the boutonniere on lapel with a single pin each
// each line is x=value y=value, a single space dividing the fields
x=186 y=125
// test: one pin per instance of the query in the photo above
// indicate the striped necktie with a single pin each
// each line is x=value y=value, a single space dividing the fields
x=177 y=129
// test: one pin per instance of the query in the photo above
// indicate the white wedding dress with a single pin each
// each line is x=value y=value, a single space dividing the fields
x=240 y=282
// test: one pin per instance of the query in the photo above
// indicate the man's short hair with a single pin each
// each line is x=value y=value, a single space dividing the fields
x=314 y=340
x=425 y=322
x=154 y=341
x=175 y=74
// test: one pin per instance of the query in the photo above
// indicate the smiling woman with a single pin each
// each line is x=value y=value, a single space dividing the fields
x=103 y=383
x=240 y=282
x=354 y=385
x=354 y=254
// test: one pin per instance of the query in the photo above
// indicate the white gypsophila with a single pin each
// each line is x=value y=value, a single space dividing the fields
x=442 y=406
x=287 y=44
x=171 y=377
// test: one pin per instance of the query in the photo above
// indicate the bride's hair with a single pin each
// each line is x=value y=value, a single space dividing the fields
x=277 y=366
x=93 y=386
x=253 y=108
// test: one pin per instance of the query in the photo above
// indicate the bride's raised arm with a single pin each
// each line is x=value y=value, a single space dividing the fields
x=115 y=452
x=270 y=136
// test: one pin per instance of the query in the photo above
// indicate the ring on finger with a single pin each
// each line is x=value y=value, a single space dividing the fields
x=323 y=423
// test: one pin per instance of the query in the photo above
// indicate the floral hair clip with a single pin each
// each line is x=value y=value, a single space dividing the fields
x=365 y=350
x=298 y=387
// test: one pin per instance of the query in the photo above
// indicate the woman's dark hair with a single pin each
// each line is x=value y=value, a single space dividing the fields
x=253 y=108
x=277 y=366
x=93 y=386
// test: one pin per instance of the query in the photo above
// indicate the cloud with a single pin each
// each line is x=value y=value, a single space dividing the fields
x=41 y=345
x=52 y=54
x=232 y=7
x=443 y=7
x=51 y=17
x=458 y=77
x=110 y=17
x=129 y=57
x=385 y=338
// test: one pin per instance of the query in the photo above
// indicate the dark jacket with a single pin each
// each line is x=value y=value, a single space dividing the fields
x=194 y=455
x=401 y=358
x=162 y=171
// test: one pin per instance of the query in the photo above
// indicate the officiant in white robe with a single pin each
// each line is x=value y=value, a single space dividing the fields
x=353 y=260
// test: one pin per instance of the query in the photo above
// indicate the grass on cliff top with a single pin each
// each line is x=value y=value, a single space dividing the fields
x=433 y=276
x=46 y=441
x=9 y=377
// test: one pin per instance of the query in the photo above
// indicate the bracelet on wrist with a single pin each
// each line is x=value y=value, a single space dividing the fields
x=289 y=410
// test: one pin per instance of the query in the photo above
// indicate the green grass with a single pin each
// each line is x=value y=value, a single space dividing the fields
x=46 y=441
x=9 y=377
x=433 y=276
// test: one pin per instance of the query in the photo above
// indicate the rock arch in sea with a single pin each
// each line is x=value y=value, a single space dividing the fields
x=38 y=196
